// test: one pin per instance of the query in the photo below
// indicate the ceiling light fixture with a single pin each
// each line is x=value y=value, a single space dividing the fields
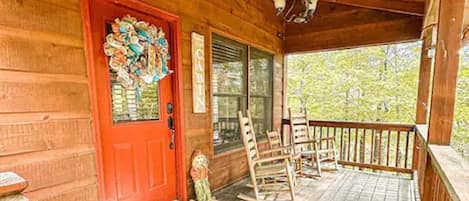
x=307 y=10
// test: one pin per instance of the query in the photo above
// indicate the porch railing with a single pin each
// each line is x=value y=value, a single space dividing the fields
x=443 y=174
x=376 y=146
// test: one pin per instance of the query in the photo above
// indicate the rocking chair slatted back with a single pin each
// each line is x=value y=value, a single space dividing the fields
x=275 y=140
x=299 y=127
x=248 y=136
x=262 y=168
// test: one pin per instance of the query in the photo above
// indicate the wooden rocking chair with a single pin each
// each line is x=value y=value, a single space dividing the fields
x=261 y=169
x=308 y=145
x=278 y=148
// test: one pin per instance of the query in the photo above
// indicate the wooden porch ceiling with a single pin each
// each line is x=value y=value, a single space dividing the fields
x=339 y=24
x=413 y=7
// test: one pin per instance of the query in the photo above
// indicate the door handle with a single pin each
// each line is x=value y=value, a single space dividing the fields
x=172 y=132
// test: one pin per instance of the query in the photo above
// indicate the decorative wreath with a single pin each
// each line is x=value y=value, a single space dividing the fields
x=138 y=52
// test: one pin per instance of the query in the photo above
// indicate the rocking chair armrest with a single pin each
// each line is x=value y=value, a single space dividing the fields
x=275 y=150
x=316 y=140
x=274 y=158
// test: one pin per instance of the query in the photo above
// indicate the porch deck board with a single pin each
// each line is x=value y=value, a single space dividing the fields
x=343 y=185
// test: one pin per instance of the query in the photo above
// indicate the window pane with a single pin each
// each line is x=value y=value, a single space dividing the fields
x=226 y=132
x=260 y=73
x=127 y=105
x=261 y=113
x=260 y=88
x=229 y=63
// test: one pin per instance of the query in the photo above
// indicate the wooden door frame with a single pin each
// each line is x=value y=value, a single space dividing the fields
x=177 y=82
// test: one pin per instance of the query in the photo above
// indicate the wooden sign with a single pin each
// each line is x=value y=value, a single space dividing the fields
x=198 y=73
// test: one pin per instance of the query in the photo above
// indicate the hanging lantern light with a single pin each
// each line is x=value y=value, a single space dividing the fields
x=279 y=6
x=308 y=7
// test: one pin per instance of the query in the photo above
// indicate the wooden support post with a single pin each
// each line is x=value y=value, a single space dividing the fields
x=466 y=33
x=424 y=77
x=446 y=70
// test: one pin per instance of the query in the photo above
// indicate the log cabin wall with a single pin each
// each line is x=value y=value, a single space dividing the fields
x=45 y=127
x=250 y=22
x=45 y=114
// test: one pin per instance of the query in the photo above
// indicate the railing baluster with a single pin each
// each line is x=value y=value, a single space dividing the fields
x=352 y=148
x=388 y=148
x=363 y=146
x=379 y=146
x=356 y=145
x=406 y=149
x=320 y=137
x=327 y=133
x=398 y=148
x=349 y=143
x=341 y=143
x=314 y=132
x=372 y=145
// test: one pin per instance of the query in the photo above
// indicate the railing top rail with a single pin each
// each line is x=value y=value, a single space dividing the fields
x=359 y=125
x=452 y=169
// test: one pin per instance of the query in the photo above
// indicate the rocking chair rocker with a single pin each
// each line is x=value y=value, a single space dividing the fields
x=307 y=145
x=261 y=169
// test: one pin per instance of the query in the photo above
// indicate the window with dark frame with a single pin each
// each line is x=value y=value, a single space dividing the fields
x=239 y=84
x=260 y=90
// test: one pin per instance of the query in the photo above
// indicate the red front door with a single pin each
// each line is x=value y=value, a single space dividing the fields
x=137 y=160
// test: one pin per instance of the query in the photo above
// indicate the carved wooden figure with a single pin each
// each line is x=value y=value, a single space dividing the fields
x=199 y=174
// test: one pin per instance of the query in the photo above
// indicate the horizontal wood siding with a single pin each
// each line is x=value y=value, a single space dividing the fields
x=45 y=124
x=45 y=132
x=252 y=22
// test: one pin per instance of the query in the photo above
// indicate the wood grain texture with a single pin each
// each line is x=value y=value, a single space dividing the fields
x=44 y=114
x=397 y=6
x=424 y=78
x=343 y=185
x=329 y=17
x=445 y=71
x=253 y=22
x=452 y=170
x=466 y=14
x=79 y=190
x=45 y=133
x=431 y=13
x=38 y=16
x=50 y=168
x=369 y=30
x=442 y=173
x=466 y=35
x=31 y=137
x=43 y=57
x=41 y=97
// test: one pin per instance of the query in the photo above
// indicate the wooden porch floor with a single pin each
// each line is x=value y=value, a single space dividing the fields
x=343 y=185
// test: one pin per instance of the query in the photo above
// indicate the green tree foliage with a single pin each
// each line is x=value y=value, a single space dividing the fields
x=365 y=84
x=377 y=84
x=460 y=134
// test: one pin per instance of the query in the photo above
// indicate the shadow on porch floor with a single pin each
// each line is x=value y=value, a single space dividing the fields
x=343 y=185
